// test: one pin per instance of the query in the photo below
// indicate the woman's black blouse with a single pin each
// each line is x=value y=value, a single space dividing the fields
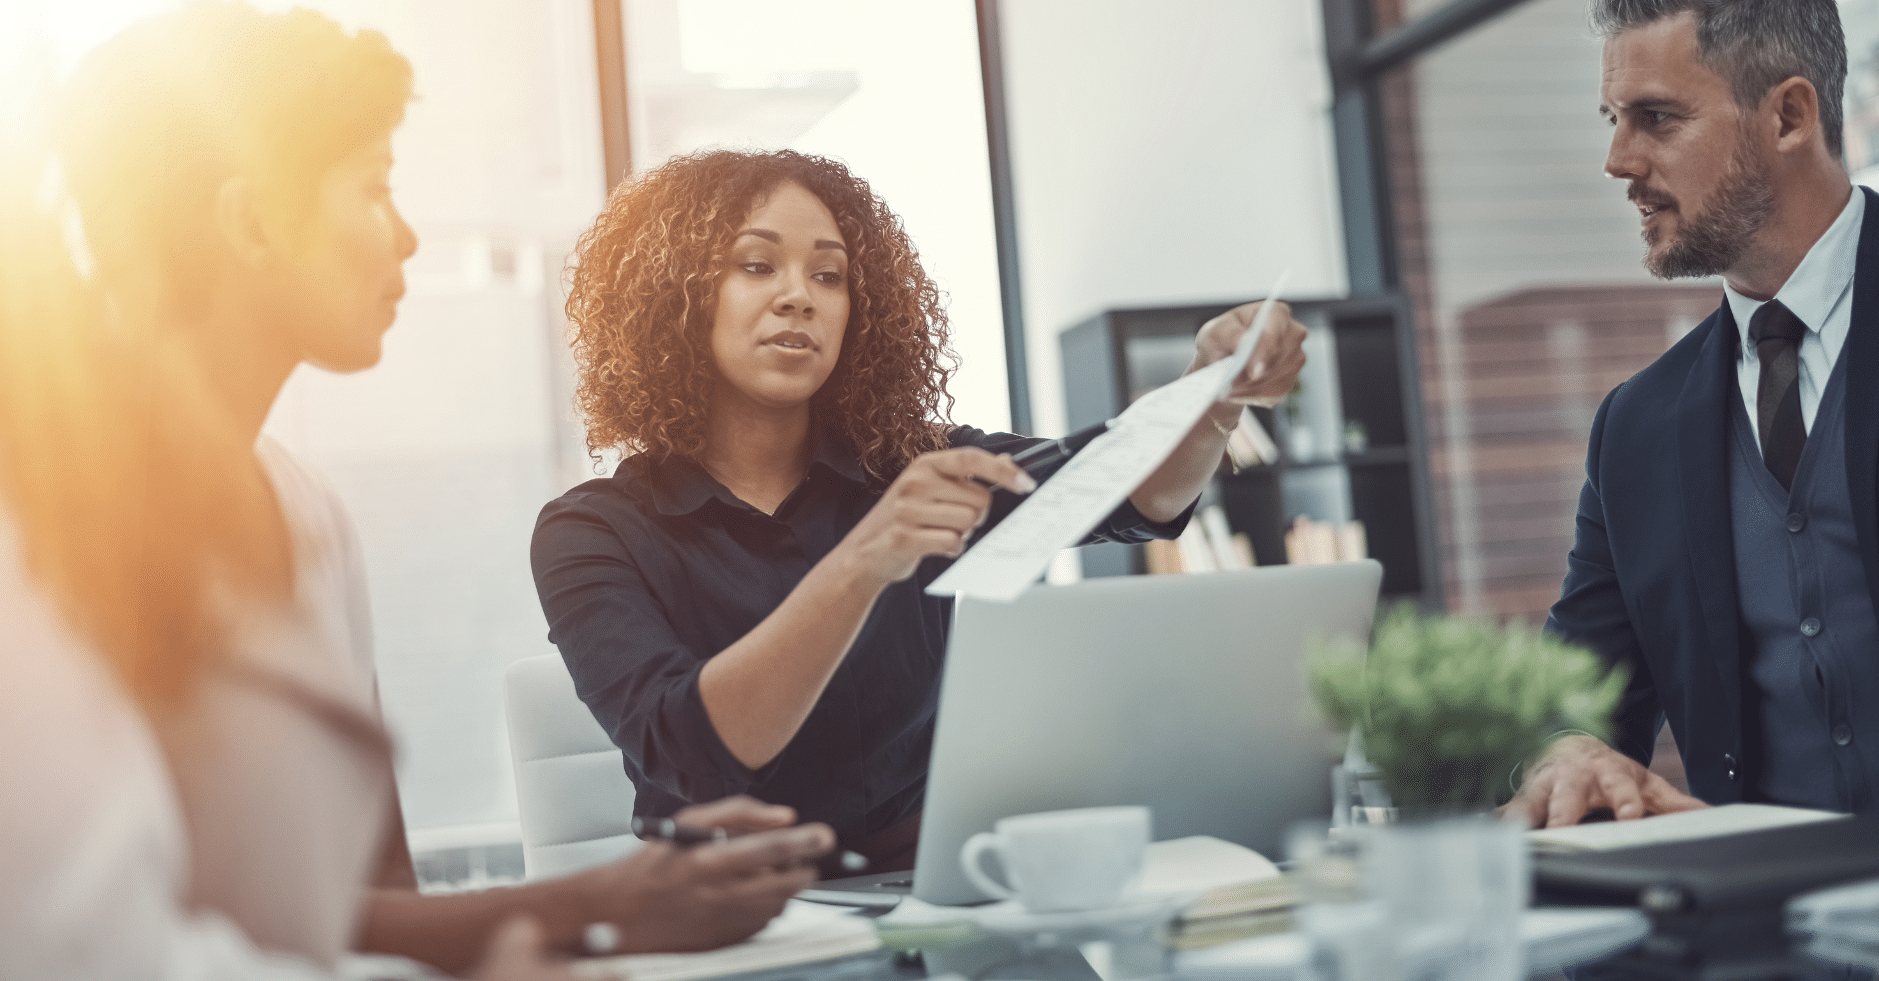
x=646 y=574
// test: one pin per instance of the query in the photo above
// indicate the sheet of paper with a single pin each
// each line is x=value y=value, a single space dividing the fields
x=1727 y=819
x=1095 y=481
x=804 y=932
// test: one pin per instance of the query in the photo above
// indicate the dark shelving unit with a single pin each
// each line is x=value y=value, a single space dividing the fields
x=1370 y=379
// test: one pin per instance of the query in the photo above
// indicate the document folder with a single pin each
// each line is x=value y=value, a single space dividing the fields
x=1752 y=870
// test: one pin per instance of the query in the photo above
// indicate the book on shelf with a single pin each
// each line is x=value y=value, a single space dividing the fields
x=1196 y=552
x=1249 y=444
x=1213 y=522
x=1309 y=542
x=1208 y=544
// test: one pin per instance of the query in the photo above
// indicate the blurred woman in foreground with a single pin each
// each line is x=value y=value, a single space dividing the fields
x=197 y=780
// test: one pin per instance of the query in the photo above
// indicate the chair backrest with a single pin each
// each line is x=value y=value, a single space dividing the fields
x=575 y=801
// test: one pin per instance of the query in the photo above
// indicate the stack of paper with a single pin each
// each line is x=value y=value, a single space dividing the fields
x=804 y=932
x=1840 y=925
x=1232 y=913
x=1098 y=478
x=1237 y=892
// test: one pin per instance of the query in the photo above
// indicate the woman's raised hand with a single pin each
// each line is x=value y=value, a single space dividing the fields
x=932 y=508
x=1277 y=359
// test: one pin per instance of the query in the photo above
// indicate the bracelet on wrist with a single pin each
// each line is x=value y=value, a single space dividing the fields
x=1240 y=452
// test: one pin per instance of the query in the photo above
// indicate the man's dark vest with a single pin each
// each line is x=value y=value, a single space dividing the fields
x=1811 y=642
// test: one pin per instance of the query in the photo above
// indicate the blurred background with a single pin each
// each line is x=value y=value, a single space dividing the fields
x=1086 y=179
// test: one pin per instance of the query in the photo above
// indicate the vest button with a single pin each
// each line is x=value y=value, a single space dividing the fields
x=1728 y=762
x=1810 y=627
x=1842 y=735
x=1796 y=522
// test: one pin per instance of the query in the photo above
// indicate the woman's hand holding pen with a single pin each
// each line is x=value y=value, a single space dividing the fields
x=673 y=897
x=758 y=691
x=932 y=508
x=1273 y=369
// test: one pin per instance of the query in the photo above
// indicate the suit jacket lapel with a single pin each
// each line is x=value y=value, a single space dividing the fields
x=1862 y=396
x=1703 y=415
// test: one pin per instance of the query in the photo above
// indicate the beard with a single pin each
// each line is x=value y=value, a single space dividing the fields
x=1712 y=241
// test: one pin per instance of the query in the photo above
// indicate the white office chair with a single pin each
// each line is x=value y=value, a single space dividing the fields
x=575 y=801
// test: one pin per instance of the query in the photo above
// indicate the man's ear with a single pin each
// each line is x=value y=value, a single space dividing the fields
x=239 y=220
x=1797 y=106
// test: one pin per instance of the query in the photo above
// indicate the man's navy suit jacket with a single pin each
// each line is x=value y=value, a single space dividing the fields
x=1651 y=579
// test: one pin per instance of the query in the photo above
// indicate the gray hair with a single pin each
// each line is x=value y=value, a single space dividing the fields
x=1755 y=45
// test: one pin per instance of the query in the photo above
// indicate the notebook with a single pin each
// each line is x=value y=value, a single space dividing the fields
x=804 y=932
x=1753 y=870
x=1684 y=826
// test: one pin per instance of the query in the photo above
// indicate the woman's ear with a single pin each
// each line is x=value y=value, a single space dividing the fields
x=239 y=220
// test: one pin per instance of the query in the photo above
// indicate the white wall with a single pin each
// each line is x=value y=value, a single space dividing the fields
x=445 y=452
x=1167 y=153
x=899 y=101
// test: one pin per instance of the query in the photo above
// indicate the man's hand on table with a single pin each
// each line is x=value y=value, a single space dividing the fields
x=668 y=898
x=1577 y=774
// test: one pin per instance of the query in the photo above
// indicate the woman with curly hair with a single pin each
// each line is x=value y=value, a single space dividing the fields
x=742 y=603
x=198 y=783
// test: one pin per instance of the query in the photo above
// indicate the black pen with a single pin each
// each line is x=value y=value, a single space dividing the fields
x=1041 y=460
x=1046 y=458
x=668 y=830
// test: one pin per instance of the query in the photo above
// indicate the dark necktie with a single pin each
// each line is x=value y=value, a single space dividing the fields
x=1776 y=333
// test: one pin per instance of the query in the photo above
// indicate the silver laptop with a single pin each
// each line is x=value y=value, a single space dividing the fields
x=1185 y=693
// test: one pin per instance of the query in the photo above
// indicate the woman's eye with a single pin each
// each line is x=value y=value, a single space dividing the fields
x=829 y=278
x=755 y=267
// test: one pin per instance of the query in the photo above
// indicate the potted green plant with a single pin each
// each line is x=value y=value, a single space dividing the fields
x=1448 y=706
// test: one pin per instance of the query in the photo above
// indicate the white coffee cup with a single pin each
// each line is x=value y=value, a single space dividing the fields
x=1058 y=861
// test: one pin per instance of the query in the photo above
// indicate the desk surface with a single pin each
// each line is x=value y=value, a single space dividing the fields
x=993 y=959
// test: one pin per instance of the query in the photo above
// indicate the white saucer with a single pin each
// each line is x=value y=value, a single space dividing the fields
x=1011 y=918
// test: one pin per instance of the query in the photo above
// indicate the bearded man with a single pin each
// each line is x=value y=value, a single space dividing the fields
x=1726 y=550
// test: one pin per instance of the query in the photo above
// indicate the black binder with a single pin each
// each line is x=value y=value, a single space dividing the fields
x=1755 y=870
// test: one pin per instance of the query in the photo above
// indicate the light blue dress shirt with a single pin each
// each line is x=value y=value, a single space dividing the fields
x=1820 y=293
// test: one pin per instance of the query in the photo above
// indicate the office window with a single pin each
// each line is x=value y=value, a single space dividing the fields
x=891 y=89
x=1861 y=20
x=1523 y=262
x=445 y=451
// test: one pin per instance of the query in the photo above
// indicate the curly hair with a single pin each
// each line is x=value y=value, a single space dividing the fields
x=643 y=291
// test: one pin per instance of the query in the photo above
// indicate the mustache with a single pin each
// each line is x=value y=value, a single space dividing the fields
x=1646 y=197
